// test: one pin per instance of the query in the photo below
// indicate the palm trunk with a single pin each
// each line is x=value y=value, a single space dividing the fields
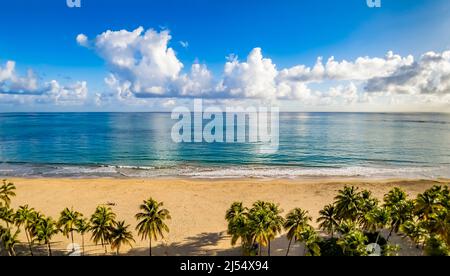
x=49 y=249
x=378 y=237
x=13 y=252
x=268 y=249
x=29 y=242
x=71 y=235
x=118 y=249
x=150 y=246
x=390 y=233
x=289 y=247
x=259 y=249
x=104 y=246
x=82 y=245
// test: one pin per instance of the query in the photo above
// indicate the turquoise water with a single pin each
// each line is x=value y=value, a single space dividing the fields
x=140 y=145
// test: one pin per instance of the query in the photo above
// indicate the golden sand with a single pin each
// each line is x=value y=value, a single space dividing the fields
x=197 y=207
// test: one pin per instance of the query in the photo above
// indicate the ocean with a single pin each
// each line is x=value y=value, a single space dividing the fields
x=140 y=145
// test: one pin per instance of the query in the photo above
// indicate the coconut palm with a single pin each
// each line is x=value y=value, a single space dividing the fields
x=36 y=217
x=102 y=222
x=7 y=215
x=415 y=231
x=394 y=197
x=376 y=220
x=353 y=243
x=436 y=246
x=311 y=240
x=296 y=222
x=328 y=221
x=276 y=222
x=24 y=217
x=120 y=235
x=259 y=227
x=400 y=213
x=439 y=223
x=7 y=191
x=151 y=221
x=265 y=223
x=237 y=218
x=347 y=226
x=348 y=203
x=367 y=202
x=82 y=227
x=428 y=203
x=9 y=240
x=46 y=228
x=67 y=220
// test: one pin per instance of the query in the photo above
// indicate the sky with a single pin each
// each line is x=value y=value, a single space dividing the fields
x=149 y=55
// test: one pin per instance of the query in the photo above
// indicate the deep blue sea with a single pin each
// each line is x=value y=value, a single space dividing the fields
x=140 y=145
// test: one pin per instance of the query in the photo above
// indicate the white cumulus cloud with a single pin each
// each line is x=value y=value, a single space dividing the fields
x=142 y=65
x=430 y=75
x=15 y=88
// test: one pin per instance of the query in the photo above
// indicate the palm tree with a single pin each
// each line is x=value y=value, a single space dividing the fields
x=368 y=202
x=376 y=220
x=265 y=223
x=400 y=213
x=276 y=222
x=328 y=219
x=237 y=218
x=67 y=221
x=102 y=222
x=427 y=203
x=7 y=215
x=353 y=243
x=151 y=221
x=45 y=230
x=394 y=197
x=7 y=192
x=348 y=203
x=415 y=231
x=347 y=226
x=9 y=240
x=309 y=236
x=436 y=246
x=82 y=226
x=259 y=227
x=120 y=235
x=24 y=216
x=36 y=218
x=296 y=222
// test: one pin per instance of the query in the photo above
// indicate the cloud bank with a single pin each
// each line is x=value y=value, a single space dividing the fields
x=15 y=88
x=142 y=65
x=143 y=68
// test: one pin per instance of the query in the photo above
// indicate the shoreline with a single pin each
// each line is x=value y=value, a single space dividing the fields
x=297 y=180
x=221 y=172
x=197 y=206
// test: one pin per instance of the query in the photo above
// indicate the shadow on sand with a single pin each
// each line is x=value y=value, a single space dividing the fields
x=208 y=244
x=204 y=244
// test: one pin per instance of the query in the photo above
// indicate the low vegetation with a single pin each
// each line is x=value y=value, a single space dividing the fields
x=355 y=224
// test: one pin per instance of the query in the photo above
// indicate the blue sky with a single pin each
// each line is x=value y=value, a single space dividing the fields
x=40 y=35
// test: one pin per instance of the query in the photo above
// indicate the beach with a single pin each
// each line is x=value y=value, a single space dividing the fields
x=197 y=206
